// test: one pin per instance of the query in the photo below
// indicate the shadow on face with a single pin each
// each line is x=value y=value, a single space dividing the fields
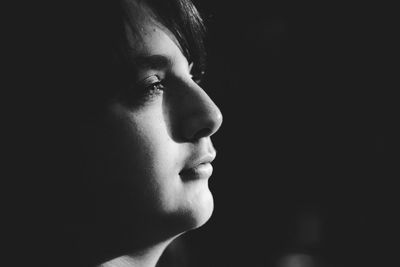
x=122 y=150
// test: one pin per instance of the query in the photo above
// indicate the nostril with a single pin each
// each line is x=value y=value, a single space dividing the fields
x=202 y=133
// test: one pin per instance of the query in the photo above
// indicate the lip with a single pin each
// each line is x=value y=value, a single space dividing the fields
x=199 y=169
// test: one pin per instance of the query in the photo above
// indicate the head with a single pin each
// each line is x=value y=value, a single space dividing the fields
x=146 y=127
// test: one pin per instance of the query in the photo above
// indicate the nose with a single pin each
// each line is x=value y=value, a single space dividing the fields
x=202 y=117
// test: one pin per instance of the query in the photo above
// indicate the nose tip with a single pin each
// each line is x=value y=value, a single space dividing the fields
x=217 y=120
x=211 y=126
x=205 y=120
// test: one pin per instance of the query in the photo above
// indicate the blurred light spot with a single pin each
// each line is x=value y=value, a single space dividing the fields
x=296 y=260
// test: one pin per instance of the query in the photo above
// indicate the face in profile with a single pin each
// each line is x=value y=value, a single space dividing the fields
x=154 y=149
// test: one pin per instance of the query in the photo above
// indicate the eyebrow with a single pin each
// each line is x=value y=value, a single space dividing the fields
x=152 y=61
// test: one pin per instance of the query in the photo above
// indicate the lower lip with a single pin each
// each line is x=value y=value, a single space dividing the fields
x=202 y=171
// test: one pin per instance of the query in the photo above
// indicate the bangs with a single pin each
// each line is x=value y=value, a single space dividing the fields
x=183 y=19
x=179 y=16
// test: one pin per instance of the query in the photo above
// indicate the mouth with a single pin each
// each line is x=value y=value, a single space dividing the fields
x=201 y=171
x=198 y=170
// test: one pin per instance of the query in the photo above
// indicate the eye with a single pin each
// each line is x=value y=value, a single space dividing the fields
x=151 y=83
x=142 y=92
x=198 y=77
x=196 y=74
x=151 y=86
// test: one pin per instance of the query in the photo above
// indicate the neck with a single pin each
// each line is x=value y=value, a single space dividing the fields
x=147 y=257
x=134 y=244
x=121 y=249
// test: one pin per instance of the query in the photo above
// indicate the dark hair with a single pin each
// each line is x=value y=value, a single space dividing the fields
x=179 y=16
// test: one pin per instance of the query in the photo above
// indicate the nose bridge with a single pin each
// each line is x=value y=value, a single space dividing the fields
x=203 y=117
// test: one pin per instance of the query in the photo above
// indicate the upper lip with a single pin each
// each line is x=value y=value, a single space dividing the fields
x=203 y=159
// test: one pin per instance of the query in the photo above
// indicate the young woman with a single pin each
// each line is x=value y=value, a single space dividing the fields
x=112 y=133
x=140 y=178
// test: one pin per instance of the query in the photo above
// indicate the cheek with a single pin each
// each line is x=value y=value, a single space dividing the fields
x=141 y=177
x=148 y=159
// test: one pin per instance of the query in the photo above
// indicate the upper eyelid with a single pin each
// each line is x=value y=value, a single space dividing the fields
x=156 y=78
x=149 y=80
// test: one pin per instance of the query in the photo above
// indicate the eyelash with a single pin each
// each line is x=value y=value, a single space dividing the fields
x=197 y=78
x=154 y=88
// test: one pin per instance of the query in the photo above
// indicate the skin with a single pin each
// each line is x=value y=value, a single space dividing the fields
x=143 y=201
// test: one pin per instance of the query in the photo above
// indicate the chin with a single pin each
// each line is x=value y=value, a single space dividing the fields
x=200 y=212
x=190 y=216
x=189 y=211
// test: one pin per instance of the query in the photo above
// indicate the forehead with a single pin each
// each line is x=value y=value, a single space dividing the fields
x=149 y=36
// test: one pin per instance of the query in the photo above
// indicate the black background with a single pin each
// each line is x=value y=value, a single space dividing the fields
x=307 y=93
x=307 y=90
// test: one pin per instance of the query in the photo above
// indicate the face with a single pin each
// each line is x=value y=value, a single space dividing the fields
x=155 y=149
